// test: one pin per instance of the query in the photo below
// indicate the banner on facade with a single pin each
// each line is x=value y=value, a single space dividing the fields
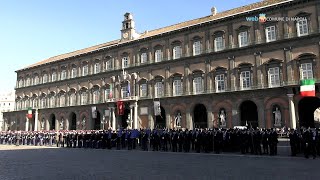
x=307 y=88
x=94 y=112
x=157 y=109
x=120 y=107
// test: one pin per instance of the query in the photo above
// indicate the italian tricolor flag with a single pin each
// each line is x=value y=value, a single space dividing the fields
x=29 y=115
x=307 y=88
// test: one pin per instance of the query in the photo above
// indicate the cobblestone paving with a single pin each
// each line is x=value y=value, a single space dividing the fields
x=82 y=164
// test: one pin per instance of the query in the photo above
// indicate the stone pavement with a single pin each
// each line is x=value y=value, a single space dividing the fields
x=82 y=164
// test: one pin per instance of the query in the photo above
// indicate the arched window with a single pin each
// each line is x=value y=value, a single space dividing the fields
x=143 y=88
x=74 y=72
x=109 y=63
x=62 y=100
x=125 y=62
x=219 y=41
x=52 y=101
x=85 y=69
x=63 y=74
x=84 y=99
x=196 y=47
x=43 y=102
x=96 y=96
x=197 y=85
x=28 y=81
x=45 y=78
x=54 y=76
x=176 y=52
x=177 y=86
x=20 y=83
x=158 y=89
x=72 y=99
x=36 y=80
x=97 y=68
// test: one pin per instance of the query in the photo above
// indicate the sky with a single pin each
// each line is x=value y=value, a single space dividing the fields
x=33 y=30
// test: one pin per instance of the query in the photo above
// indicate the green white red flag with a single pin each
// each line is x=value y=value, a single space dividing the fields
x=29 y=115
x=307 y=88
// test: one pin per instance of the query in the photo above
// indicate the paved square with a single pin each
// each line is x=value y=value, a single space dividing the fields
x=79 y=164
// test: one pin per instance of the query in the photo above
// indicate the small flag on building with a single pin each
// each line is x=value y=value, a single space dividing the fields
x=120 y=107
x=157 y=109
x=307 y=88
x=29 y=115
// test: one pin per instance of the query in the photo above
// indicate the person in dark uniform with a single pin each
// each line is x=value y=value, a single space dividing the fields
x=293 y=136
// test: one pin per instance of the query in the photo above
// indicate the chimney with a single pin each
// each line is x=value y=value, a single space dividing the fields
x=213 y=11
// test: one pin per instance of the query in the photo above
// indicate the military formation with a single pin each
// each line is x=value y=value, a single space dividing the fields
x=245 y=141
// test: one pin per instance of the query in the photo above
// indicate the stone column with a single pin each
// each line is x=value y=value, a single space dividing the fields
x=151 y=119
x=113 y=118
x=36 y=119
x=293 y=121
x=189 y=119
x=131 y=118
x=135 y=114
x=27 y=123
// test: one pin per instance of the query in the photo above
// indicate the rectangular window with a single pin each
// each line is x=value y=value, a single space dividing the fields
x=63 y=74
x=54 y=76
x=143 y=90
x=144 y=58
x=306 y=71
x=62 y=101
x=177 y=87
x=72 y=100
x=302 y=27
x=197 y=85
x=36 y=80
x=107 y=94
x=158 y=55
x=245 y=80
x=177 y=52
x=96 y=96
x=74 y=73
x=125 y=62
x=52 y=102
x=83 y=98
x=158 y=89
x=196 y=48
x=243 y=39
x=274 y=77
x=109 y=64
x=97 y=68
x=45 y=78
x=270 y=33
x=218 y=43
x=85 y=70
x=124 y=91
x=220 y=83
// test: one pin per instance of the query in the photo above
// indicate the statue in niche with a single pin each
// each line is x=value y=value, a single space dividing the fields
x=277 y=117
x=222 y=116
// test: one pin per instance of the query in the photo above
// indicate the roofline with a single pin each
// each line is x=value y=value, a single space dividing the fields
x=136 y=40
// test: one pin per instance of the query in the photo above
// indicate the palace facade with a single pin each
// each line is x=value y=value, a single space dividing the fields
x=233 y=68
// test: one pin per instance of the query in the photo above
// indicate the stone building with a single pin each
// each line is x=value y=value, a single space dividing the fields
x=238 y=67
x=7 y=101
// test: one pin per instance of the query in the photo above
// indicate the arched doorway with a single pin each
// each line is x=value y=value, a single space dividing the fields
x=161 y=120
x=97 y=121
x=52 y=122
x=200 y=116
x=249 y=114
x=306 y=108
x=125 y=118
x=73 y=120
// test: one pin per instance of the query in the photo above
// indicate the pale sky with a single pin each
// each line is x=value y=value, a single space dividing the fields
x=33 y=30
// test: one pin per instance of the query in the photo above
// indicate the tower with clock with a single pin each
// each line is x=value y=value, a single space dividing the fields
x=128 y=31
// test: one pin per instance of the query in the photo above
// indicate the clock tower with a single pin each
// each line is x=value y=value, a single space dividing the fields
x=128 y=31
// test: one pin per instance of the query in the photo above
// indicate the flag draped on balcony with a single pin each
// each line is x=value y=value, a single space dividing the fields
x=120 y=107
x=157 y=109
x=307 y=88
x=29 y=115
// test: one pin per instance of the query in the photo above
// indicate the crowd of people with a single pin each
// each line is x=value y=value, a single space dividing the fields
x=245 y=141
